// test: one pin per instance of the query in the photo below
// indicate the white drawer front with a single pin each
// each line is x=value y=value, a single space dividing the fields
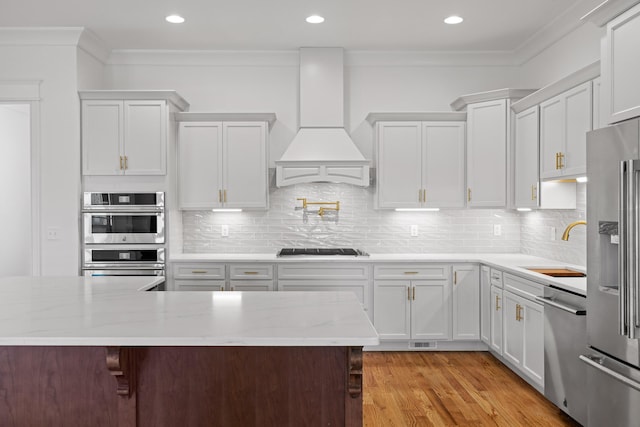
x=198 y=271
x=412 y=271
x=523 y=287
x=358 y=287
x=496 y=277
x=251 y=271
x=315 y=271
x=251 y=285
x=199 y=285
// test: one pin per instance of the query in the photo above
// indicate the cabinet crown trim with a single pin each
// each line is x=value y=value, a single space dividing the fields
x=513 y=94
x=226 y=117
x=418 y=116
x=583 y=75
x=133 y=95
x=608 y=10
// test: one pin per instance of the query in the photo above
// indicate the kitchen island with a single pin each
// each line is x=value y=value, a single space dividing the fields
x=100 y=351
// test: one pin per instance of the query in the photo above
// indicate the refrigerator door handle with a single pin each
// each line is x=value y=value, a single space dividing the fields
x=594 y=363
x=622 y=249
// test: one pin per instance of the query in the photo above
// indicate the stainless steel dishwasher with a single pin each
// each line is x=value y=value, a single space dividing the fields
x=565 y=339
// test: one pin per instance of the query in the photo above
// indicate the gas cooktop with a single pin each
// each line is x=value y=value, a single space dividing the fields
x=321 y=251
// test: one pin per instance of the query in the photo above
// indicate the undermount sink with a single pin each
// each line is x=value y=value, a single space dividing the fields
x=557 y=271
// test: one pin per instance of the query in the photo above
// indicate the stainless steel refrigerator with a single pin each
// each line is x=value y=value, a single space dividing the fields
x=613 y=275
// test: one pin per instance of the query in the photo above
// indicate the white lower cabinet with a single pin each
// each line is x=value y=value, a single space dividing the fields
x=466 y=302
x=207 y=276
x=485 y=304
x=412 y=302
x=496 y=308
x=523 y=323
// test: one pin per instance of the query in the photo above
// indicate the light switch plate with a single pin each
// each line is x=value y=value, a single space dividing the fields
x=224 y=231
x=497 y=230
x=53 y=233
x=414 y=231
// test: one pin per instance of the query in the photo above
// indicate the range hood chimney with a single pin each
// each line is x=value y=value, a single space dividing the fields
x=322 y=151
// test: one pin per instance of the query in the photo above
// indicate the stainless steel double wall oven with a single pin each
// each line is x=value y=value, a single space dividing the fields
x=123 y=234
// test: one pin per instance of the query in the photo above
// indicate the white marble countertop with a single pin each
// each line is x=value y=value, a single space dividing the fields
x=510 y=263
x=112 y=311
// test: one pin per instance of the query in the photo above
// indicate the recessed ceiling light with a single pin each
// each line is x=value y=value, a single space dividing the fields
x=175 y=19
x=315 y=19
x=453 y=20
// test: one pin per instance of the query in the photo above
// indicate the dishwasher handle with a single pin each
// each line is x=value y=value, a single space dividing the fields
x=567 y=308
x=594 y=362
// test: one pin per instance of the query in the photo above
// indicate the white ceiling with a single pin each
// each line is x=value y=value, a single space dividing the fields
x=490 y=25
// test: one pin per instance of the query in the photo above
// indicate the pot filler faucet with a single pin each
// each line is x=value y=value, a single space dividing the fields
x=565 y=235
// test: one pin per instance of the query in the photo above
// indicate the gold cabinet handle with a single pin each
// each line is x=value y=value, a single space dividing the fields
x=468 y=194
x=126 y=162
x=414 y=293
x=517 y=312
x=199 y=271
x=424 y=195
x=121 y=163
x=420 y=196
x=250 y=272
x=561 y=157
x=409 y=293
x=233 y=288
x=222 y=287
x=521 y=310
x=455 y=277
x=533 y=192
x=497 y=302
x=410 y=272
x=220 y=196
x=557 y=157
x=225 y=196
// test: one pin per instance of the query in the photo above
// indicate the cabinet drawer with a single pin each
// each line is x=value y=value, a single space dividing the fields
x=358 y=287
x=323 y=271
x=251 y=285
x=496 y=277
x=251 y=271
x=523 y=287
x=412 y=271
x=198 y=271
x=198 y=285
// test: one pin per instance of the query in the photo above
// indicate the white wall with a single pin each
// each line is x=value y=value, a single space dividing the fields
x=90 y=71
x=15 y=190
x=576 y=50
x=59 y=135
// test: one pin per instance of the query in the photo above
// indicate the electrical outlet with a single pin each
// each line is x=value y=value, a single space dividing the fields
x=414 y=231
x=224 y=231
x=497 y=230
x=553 y=233
x=53 y=233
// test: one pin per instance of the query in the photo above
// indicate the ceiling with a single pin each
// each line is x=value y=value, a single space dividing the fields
x=490 y=25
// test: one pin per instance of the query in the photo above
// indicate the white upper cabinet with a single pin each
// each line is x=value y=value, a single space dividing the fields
x=125 y=133
x=222 y=164
x=421 y=163
x=564 y=121
x=621 y=67
x=526 y=158
x=487 y=154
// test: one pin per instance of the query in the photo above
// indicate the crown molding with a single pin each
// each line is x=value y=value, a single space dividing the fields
x=226 y=117
x=40 y=36
x=94 y=46
x=170 y=96
x=607 y=10
x=370 y=58
x=491 y=95
x=249 y=58
x=417 y=116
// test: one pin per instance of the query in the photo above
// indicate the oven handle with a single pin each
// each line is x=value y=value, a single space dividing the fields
x=563 y=307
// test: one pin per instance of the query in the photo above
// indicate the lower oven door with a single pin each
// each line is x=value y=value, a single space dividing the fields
x=123 y=227
x=88 y=272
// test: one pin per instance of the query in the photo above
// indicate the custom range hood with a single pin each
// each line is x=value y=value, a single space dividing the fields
x=322 y=151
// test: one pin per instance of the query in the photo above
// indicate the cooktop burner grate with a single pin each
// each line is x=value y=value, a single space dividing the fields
x=321 y=251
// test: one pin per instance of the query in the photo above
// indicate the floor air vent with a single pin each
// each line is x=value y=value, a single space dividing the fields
x=422 y=345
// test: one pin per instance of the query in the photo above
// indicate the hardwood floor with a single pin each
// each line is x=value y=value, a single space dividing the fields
x=450 y=389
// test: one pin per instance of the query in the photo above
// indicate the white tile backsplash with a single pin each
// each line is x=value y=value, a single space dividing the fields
x=356 y=225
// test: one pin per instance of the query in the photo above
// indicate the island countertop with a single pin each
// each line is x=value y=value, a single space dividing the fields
x=114 y=311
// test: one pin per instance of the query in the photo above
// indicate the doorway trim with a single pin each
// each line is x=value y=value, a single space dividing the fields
x=28 y=92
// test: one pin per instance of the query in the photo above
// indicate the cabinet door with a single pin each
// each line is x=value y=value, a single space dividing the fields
x=199 y=165
x=533 y=341
x=245 y=165
x=513 y=339
x=392 y=309
x=251 y=285
x=145 y=137
x=526 y=158
x=443 y=164
x=399 y=164
x=487 y=154
x=485 y=305
x=466 y=302
x=198 y=285
x=430 y=315
x=597 y=121
x=551 y=136
x=496 y=319
x=578 y=105
x=621 y=66
x=102 y=137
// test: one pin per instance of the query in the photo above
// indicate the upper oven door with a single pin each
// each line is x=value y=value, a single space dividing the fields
x=123 y=227
x=149 y=202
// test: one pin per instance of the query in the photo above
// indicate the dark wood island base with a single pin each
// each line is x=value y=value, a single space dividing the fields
x=180 y=386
